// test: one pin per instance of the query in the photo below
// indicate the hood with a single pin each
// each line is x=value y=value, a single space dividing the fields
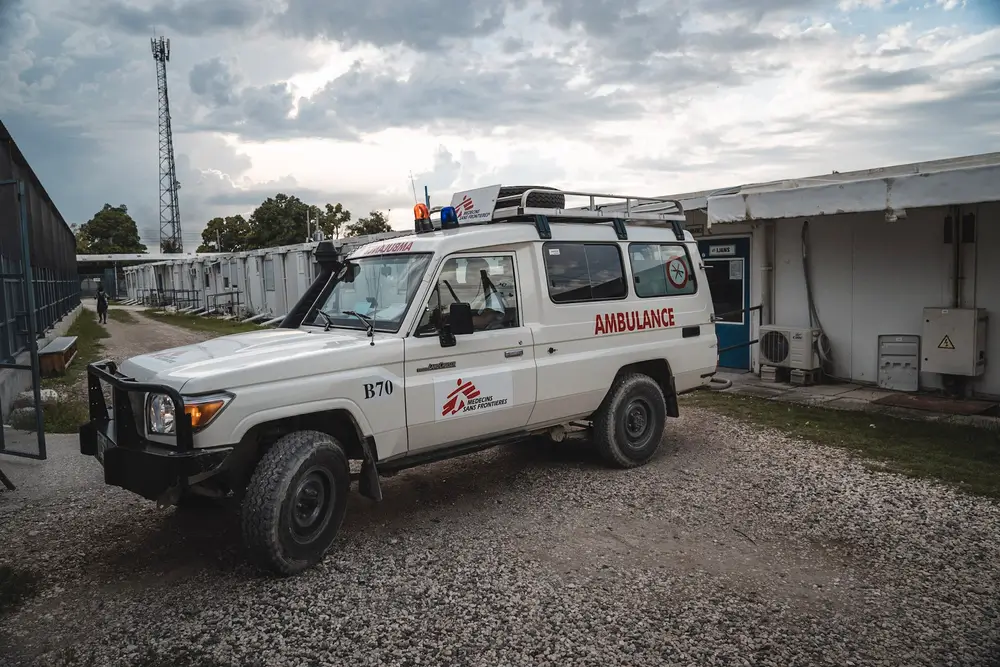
x=219 y=359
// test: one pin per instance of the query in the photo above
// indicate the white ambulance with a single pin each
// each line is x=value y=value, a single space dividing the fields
x=502 y=316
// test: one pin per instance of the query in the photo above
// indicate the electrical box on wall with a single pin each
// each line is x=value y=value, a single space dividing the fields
x=899 y=362
x=954 y=341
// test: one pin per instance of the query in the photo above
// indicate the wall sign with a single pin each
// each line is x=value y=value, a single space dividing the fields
x=736 y=269
x=722 y=250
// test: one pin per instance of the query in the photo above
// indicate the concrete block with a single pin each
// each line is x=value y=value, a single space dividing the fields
x=867 y=394
x=759 y=391
x=830 y=389
x=846 y=403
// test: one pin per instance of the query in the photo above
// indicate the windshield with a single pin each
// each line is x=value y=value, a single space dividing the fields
x=375 y=289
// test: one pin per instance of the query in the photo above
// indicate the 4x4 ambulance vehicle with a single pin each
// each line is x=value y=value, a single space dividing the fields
x=510 y=316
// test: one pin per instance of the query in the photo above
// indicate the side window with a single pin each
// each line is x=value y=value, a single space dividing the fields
x=486 y=283
x=584 y=272
x=268 y=274
x=661 y=270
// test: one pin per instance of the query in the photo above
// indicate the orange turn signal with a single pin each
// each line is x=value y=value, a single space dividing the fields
x=202 y=413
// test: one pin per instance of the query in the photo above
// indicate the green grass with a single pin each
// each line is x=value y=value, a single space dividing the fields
x=121 y=315
x=963 y=456
x=66 y=415
x=89 y=334
x=204 y=324
x=16 y=586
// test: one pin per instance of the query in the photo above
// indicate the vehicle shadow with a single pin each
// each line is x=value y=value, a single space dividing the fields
x=178 y=542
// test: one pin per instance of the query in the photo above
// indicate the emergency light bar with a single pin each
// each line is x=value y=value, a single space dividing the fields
x=422 y=219
x=423 y=224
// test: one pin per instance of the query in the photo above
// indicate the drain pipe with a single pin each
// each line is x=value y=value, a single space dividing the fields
x=720 y=384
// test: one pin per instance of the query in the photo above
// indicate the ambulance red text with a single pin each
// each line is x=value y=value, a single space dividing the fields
x=636 y=320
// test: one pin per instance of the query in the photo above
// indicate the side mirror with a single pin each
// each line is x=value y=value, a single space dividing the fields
x=460 y=319
x=459 y=323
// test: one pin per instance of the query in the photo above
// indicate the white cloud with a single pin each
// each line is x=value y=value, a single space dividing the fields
x=343 y=101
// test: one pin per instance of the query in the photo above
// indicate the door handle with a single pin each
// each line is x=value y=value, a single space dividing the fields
x=691 y=332
x=513 y=353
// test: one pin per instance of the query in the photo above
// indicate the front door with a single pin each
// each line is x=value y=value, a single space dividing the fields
x=727 y=263
x=485 y=384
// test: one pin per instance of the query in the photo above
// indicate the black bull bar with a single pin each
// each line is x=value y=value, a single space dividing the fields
x=117 y=439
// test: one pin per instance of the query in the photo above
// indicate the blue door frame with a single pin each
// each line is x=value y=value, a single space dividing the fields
x=727 y=262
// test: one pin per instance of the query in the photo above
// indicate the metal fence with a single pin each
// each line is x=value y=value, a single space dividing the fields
x=53 y=254
x=43 y=258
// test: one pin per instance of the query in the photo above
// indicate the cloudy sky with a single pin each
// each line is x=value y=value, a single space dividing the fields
x=341 y=100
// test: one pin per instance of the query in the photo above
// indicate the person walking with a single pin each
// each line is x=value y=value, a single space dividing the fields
x=102 y=305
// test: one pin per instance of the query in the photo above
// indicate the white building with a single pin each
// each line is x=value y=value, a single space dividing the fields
x=880 y=249
x=255 y=282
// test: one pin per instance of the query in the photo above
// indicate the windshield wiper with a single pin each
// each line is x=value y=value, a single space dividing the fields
x=329 y=320
x=369 y=322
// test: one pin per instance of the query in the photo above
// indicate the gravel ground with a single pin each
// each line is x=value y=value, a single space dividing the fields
x=735 y=547
x=149 y=335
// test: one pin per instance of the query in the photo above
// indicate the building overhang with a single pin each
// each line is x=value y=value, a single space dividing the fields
x=891 y=195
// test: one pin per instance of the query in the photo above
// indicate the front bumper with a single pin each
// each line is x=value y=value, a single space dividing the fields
x=116 y=439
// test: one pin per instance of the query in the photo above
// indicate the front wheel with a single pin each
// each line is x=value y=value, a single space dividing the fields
x=295 y=502
x=628 y=427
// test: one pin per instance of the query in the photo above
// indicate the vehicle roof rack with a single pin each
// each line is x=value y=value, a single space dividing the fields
x=671 y=214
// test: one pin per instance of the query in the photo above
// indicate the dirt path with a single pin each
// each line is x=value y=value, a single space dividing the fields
x=144 y=336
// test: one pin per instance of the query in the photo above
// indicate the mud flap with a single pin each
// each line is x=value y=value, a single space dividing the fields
x=368 y=484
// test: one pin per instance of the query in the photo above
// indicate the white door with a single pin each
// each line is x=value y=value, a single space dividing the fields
x=485 y=384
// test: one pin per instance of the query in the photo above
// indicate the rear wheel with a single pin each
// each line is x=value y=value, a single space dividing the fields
x=295 y=502
x=628 y=427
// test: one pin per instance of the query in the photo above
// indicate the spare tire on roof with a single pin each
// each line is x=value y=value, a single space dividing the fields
x=536 y=199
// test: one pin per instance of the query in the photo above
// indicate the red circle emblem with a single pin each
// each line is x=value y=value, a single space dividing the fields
x=677 y=273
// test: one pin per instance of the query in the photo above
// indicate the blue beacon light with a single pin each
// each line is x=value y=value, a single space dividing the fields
x=449 y=218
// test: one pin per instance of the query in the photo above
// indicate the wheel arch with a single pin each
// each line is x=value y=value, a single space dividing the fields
x=348 y=426
x=660 y=371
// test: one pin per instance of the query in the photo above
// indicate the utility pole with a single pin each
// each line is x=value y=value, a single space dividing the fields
x=170 y=215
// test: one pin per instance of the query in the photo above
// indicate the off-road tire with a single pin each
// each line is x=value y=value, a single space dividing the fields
x=614 y=435
x=297 y=464
x=535 y=199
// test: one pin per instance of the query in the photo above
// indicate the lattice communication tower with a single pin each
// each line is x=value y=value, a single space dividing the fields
x=170 y=215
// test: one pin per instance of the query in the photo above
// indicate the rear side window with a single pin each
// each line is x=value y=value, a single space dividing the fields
x=579 y=272
x=661 y=270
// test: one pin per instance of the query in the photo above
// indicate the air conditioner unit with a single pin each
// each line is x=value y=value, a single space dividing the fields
x=788 y=347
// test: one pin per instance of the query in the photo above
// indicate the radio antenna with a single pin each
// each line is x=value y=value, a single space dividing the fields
x=414 y=187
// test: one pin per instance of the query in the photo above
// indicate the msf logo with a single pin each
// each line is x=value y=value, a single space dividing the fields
x=464 y=206
x=457 y=398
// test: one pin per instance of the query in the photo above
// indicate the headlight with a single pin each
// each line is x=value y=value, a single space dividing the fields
x=161 y=414
x=162 y=418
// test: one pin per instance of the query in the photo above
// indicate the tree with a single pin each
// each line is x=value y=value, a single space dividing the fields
x=168 y=246
x=279 y=220
x=111 y=231
x=332 y=220
x=375 y=223
x=82 y=240
x=229 y=234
